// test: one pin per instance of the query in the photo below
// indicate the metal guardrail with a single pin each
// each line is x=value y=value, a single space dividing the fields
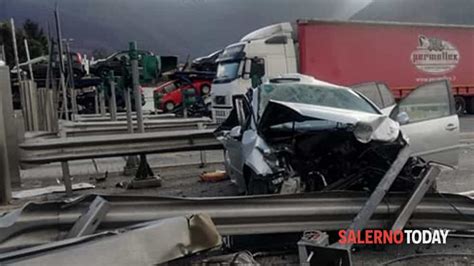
x=122 y=116
x=66 y=149
x=77 y=129
x=324 y=211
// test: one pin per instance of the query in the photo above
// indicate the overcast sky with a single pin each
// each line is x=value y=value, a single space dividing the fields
x=179 y=27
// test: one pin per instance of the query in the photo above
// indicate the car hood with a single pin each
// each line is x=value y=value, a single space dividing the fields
x=367 y=126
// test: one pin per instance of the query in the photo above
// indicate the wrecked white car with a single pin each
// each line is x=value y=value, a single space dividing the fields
x=296 y=133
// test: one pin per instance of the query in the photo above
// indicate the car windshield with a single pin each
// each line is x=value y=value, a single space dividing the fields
x=227 y=71
x=170 y=87
x=321 y=95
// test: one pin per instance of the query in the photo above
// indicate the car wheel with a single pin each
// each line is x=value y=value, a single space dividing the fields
x=256 y=186
x=205 y=89
x=169 y=106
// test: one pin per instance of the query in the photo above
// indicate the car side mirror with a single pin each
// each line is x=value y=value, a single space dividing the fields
x=403 y=118
x=236 y=132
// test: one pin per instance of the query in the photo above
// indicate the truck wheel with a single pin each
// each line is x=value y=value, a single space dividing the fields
x=470 y=105
x=205 y=89
x=256 y=186
x=169 y=106
x=460 y=105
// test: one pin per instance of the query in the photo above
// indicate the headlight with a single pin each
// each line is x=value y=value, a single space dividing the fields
x=363 y=132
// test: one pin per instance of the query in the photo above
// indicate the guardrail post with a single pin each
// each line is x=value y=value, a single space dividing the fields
x=113 y=97
x=32 y=104
x=66 y=178
x=202 y=153
x=9 y=164
x=65 y=170
x=131 y=164
x=144 y=175
x=96 y=100
x=136 y=86
x=102 y=102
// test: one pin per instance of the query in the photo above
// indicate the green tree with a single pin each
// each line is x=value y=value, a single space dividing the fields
x=37 y=41
x=30 y=30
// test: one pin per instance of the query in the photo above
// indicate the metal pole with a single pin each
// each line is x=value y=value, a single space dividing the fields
x=9 y=164
x=102 y=102
x=136 y=86
x=15 y=51
x=18 y=71
x=202 y=152
x=131 y=164
x=30 y=68
x=112 y=100
x=128 y=106
x=144 y=175
x=71 y=79
x=2 y=49
x=61 y=63
x=96 y=100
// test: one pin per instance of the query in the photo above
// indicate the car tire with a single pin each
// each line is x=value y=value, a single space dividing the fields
x=256 y=186
x=460 y=105
x=168 y=106
x=205 y=89
x=78 y=74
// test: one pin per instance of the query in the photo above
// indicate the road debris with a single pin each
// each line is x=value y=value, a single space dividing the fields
x=238 y=258
x=215 y=176
x=148 y=243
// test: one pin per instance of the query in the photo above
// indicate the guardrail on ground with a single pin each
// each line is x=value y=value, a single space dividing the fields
x=260 y=214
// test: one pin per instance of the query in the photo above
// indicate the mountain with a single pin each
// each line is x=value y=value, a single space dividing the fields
x=170 y=27
x=422 y=11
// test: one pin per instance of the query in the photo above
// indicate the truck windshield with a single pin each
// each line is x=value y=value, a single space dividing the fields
x=227 y=71
x=314 y=94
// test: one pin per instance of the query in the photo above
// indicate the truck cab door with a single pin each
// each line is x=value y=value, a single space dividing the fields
x=428 y=117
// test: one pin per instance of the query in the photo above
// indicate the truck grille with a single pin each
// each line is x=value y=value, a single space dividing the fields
x=219 y=100
x=220 y=115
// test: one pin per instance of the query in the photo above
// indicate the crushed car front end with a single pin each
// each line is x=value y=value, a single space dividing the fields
x=313 y=136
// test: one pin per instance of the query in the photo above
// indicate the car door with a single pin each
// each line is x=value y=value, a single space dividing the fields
x=232 y=140
x=432 y=125
x=379 y=94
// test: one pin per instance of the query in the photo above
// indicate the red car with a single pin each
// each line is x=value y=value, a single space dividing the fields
x=169 y=95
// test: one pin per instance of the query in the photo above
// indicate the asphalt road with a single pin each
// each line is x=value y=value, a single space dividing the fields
x=467 y=123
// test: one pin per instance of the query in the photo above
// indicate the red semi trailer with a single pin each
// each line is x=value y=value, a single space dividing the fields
x=401 y=55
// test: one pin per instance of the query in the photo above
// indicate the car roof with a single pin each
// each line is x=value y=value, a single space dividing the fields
x=297 y=78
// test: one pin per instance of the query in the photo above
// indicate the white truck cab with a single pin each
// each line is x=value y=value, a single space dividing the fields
x=266 y=52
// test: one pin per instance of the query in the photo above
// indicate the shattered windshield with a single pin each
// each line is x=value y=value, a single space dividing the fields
x=314 y=94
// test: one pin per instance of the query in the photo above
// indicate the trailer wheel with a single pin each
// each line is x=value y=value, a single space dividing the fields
x=460 y=105
x=470 y=105
x=205 y=89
